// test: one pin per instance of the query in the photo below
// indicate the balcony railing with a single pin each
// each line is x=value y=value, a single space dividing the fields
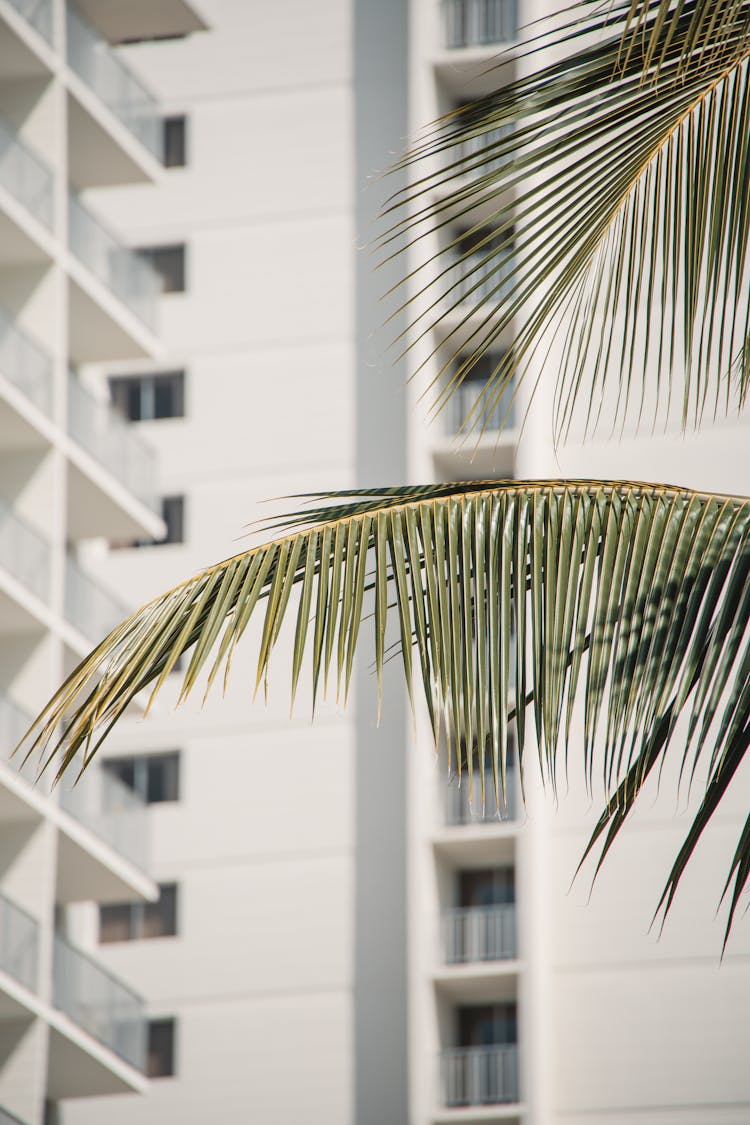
x=479 y=23
x=112 y=811
x=484 y=274
x=109 y=439
x=25 y=176
x=94 y=61
x=459 y=810
x=19 y=943
x=99 y=1003
x=480 y=1075
x=24 y=553
x=480 y=145
x=24 y=363
x=123 y=271
x=480 y=933
x=93 y=610
x=464 y=399
x=38 y=13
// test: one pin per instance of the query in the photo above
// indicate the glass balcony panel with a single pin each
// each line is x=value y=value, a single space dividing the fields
x=25 y=176
x=474 y=147
x=38 y=13
x=93 y=610
x=480 y=933
x=106 y=806
x=19 y=943
x=104 y=72
x=478 y=23
x=123 y=271
x=460 y=810
x=482 y=275
x=110 y=440
x=465 y=398
x=24 y=553
x=99 y=1003
x=480 y=1075
x=25 y=364
x=8 y=1118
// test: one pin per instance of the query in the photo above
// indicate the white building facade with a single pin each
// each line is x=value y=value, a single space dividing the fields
x=337 y=936
x=72 y=117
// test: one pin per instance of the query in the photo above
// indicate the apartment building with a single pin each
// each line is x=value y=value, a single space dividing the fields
x=530 y=1001
x=338 y=935
x=72 y=117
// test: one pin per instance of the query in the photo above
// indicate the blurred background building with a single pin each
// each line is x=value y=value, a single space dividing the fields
x=321 y=927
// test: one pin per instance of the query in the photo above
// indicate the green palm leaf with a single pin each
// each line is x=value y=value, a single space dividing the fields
x=603 y=198
x=632 y=599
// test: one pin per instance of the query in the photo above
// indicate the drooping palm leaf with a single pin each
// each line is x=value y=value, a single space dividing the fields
x=632 y=599
x=604 y=199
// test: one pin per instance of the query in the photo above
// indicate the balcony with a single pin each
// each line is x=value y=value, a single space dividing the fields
x=479 y=23
x=19 y=944
x=92 y=610
x=460 y=810
x=486 y=933
x=112 y=811
x=28 y=180
x=122 y=271
x=482 y=275
x=477 y=146
x=25 y=364
x=468 y=411
x=24 y=553
x=476 y=1076
x=8 y=1118
x=37 y=13
x=111 y=442
x=114 y=83
x=99 y=1003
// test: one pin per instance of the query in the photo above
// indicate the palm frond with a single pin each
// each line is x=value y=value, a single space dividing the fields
x=632 y=600
x=602 y=201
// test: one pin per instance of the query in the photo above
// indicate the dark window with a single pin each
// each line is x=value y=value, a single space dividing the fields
x=175 y=150
x=136 y=921
x=160 y=1056
x=494 y=886
x=143 y=398
x=169 y=263
x=154 y=777
x=173 y=514
x=487 y=1025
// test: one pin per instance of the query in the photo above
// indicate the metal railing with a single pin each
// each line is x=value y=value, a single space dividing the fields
x=464 y=399
x=94 y=61
x=24 y=363
x=25 y=175
x=478 y=23
x=459 y=810
x=99 y=1003
x=109 y=439
x=478 y=145
x=123 y=271
x=38 y=13
x=19 y=943
x=480 y=1075
x=92 y=609
x=485 y=273
x=24 y=553
x=480 y=933
x=112 y=811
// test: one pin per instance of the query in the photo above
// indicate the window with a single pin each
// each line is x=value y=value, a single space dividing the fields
x=143 y=398
x=175 y=149
x=137 y=921
x=470 y=407
x=160 y=1061
x=154 y=777
x=173 y=514
x=169 y=263
x=494 y=886
x=487 y=1025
